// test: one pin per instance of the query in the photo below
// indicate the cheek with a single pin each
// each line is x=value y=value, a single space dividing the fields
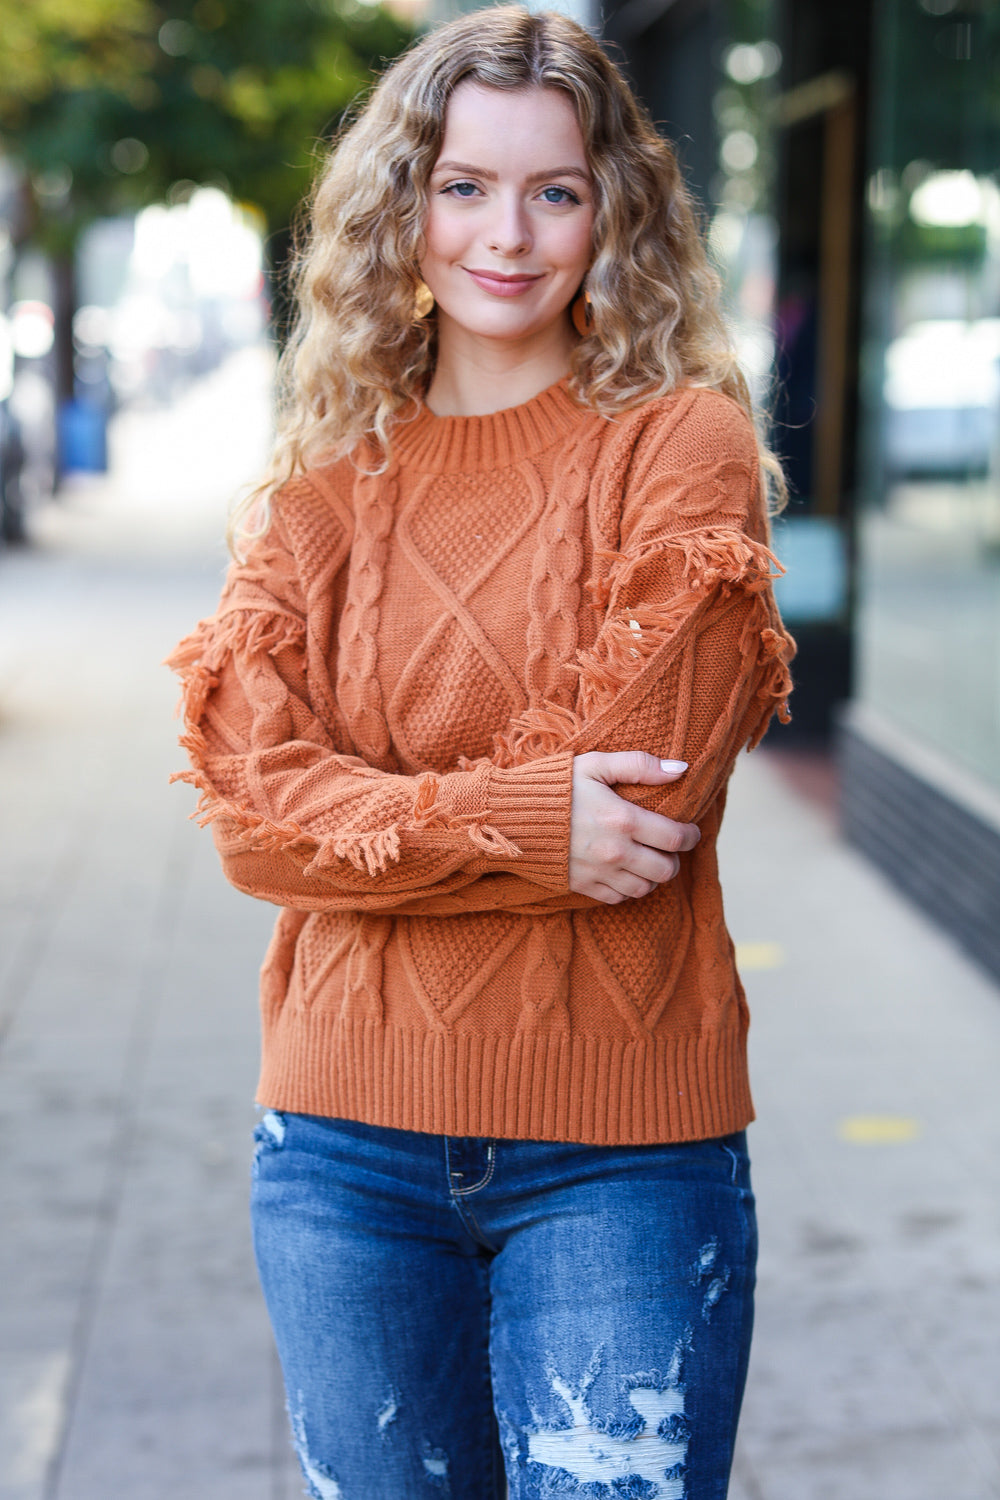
x=574 y=246
x=442 y=234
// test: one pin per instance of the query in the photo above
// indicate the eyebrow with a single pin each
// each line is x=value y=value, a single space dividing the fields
x=474 y=171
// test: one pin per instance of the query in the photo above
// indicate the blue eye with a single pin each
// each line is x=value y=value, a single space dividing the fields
x=462 y=189
x=561 y=195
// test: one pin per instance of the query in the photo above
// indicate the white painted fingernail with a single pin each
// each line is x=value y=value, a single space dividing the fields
x=673 y=765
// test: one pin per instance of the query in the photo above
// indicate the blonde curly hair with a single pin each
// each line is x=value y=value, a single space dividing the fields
x=358 y=356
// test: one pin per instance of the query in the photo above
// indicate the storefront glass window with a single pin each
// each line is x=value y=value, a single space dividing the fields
x=929 y=532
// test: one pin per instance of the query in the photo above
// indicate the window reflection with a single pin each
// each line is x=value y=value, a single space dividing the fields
x=929 y=626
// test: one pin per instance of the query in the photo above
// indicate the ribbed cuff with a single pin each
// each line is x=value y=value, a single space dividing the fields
x=531 y=805
x=528 y=806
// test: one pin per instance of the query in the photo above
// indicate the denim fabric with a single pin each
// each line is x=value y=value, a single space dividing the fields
x=447 y=1309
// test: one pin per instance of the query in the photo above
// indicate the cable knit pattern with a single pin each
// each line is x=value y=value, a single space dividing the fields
x=554 y=593
x=382 y=719
x=359 y=693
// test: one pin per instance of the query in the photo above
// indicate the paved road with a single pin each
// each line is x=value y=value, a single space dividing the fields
x=135 y=1356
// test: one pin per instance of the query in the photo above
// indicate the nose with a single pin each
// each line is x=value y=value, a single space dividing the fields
x=509 y=231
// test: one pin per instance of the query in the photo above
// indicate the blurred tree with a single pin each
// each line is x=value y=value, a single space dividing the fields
x=62 y=45
x=113 y=104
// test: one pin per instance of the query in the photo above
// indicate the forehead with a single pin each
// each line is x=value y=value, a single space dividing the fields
x=512 y=123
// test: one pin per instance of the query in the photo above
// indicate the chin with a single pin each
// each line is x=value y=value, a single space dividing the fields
x=486 y=324
x=502 y=322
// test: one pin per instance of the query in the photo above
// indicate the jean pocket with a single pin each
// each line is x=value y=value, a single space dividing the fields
x=734 y=1148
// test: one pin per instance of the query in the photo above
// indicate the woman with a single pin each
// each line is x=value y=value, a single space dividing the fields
x=466 y=713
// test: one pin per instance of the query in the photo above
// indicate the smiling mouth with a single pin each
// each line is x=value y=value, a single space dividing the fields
x=500 y=285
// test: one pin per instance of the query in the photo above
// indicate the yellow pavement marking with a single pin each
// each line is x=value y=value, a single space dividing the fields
x=759 y=956
x=878 y=1130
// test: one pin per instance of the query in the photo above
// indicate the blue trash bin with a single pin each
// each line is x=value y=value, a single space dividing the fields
x=83 y=437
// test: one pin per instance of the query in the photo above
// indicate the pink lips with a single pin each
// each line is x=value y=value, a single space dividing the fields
x=502 y=286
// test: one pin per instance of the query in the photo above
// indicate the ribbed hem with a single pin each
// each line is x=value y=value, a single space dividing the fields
x=529 y=1088
x=471 y=444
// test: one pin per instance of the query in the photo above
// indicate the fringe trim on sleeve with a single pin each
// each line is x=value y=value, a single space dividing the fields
x=373 y=851
x=197 y=660
x=718 y=556
x=427 y=813
x=716 y=562
x=249 y=631
x=776 y=651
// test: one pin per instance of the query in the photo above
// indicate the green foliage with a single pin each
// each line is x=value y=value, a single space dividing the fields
x=110 y=103
x=55 y=46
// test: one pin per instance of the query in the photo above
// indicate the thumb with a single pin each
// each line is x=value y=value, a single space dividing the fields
x=635 y=768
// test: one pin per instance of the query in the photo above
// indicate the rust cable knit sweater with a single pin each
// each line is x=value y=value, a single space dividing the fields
x=382 y=718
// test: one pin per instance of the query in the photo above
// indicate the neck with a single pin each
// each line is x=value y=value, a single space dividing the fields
x=475 y=376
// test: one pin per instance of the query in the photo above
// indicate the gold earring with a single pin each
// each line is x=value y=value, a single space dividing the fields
x=582 y=314
x=423 y=301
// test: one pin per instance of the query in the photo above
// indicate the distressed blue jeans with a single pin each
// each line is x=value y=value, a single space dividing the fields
x=454 y=1315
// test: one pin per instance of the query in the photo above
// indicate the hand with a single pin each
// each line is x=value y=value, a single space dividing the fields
x=618 y=850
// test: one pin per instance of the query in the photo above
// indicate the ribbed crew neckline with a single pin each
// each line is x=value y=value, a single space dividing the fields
x=465 y=444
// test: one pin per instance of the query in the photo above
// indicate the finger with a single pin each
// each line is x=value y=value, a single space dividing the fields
x=636 y=768
x=651 y=866
x=631 y=886
x=607 y=894
x=657 y=831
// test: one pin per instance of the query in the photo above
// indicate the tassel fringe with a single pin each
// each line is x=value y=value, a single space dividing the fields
x=248 y=631
x=197 y=660
x=428 y=814
x=716 y=561
x=776 y=652
x=717 y=556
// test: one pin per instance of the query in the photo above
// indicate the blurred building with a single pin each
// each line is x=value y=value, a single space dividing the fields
x=848 y=159
x=862 y=142
x=851 y=153
x=920 y=740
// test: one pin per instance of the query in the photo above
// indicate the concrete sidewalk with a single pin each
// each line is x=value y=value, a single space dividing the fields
x=136 y=1359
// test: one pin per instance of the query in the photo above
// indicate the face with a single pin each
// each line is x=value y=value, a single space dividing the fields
x=507 y=239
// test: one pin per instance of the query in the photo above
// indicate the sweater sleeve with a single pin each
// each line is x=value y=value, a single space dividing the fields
x=692 y=659
x=298 y=818
x=690 y=662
